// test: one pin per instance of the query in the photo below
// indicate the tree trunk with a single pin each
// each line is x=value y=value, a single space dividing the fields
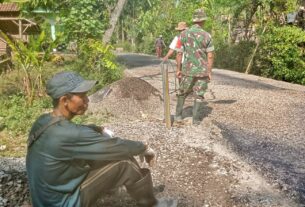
x=248 y=69
x=123 y=34
x=113 y=20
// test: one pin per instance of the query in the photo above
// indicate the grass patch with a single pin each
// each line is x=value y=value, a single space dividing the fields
x=12 y=146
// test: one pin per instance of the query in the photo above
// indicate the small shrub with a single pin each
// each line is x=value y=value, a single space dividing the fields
x=57 y=59
x=282 y=56
x=16 y=116
x=98 y=62
x=29 y=58
x=126 y=46
x=147 y=45
x=235 y=56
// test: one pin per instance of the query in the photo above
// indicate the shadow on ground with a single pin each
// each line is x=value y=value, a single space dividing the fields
x=136 y=60
x=223 y=79
x=282 y=164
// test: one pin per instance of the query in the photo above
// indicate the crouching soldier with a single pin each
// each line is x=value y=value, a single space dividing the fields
x=73 y=165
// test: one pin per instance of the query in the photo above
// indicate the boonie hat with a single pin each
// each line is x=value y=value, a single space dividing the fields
x=181 y=26
x=68 y=82
x=199 y=15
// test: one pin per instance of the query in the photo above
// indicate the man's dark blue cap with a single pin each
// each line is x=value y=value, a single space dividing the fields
x=68 y=82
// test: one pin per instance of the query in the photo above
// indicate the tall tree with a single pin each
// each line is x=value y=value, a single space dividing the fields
x=113 y=20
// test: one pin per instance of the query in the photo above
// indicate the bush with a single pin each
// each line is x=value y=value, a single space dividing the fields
x=147 y=46
x=17 y=116
x=127 y=47
x=234 y=57
x=282 y=54
x=98 y=62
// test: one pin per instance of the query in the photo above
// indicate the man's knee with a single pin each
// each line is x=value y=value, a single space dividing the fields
x=130 y=163
x=110 y=176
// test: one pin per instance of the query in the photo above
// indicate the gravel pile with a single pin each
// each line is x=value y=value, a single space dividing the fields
x=129 y=99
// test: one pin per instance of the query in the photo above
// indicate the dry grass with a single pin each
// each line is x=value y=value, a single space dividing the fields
x=12 y=146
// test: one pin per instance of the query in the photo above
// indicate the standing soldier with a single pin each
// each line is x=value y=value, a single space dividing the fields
x=196 y=69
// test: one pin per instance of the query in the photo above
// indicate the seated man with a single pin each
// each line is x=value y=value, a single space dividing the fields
x=73 y=165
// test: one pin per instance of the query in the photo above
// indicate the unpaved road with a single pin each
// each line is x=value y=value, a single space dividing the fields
x=248 y=150
x=261 y=123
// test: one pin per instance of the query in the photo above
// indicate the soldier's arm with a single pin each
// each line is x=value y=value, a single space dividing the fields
x=179 y=57
x=169 y=54
x=210 y=63
x=179 y=63
x=210 y=54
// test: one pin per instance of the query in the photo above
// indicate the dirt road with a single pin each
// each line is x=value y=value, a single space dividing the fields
x=261 y=125
x=248 y=150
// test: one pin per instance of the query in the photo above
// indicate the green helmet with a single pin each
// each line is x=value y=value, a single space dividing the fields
x=199 y=15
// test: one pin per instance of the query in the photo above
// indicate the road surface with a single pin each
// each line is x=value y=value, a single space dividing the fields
x=261 y=120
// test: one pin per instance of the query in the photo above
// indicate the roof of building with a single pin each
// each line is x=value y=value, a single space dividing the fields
x=9 y=7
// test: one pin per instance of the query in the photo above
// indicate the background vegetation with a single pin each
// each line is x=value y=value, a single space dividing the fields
x=249 y=36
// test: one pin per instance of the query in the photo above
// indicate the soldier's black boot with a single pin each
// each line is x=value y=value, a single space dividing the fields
x=179 y=108
x=197 y=111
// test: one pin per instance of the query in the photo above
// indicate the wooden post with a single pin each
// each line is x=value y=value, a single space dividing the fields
x=167 y=114
x=20 y=28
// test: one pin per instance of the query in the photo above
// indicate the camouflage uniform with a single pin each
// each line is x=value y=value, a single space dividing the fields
x=196 y=44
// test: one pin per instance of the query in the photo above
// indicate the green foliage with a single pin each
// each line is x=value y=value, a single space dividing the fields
x=99 y=62
x=282 y=54
x=29 y=58
x=144 y=21
x=16 y=115
x=147 y=46
x=86 y=18
x=77 y=19
x=45 y=4
x=234 y=57
x=278 y=6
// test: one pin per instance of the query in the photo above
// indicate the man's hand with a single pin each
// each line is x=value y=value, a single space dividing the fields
x=179 y=74
x=210 y=76
x=107 y=133
x=149 y=155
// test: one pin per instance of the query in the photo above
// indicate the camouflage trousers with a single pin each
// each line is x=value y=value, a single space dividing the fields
x=197 y=86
